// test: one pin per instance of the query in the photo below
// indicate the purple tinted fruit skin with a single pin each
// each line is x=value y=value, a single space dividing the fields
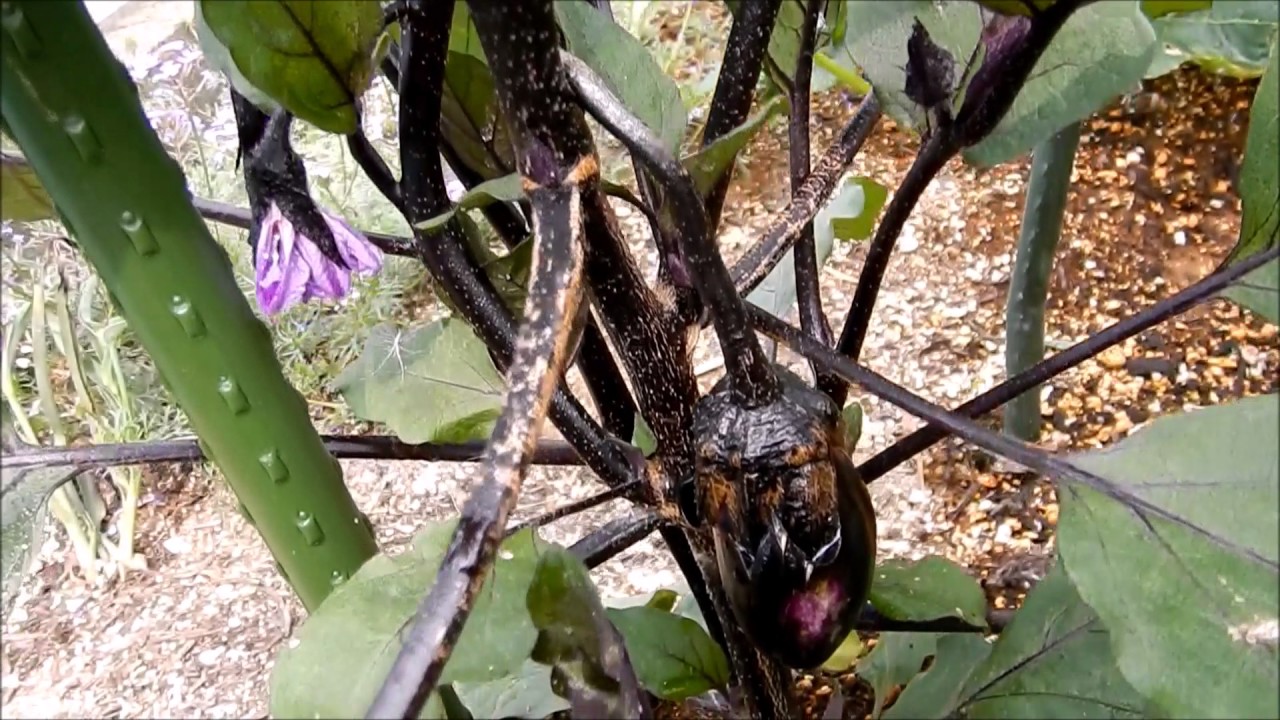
x=799 y=622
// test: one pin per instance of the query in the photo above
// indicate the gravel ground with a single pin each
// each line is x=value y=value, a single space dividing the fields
x=193 y=634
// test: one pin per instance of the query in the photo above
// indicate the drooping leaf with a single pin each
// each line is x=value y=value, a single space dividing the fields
x=673 y=657
x=1170 y=595
x=22 y=196
x=588 y=657
x=852 y=416
x=1054 y=660
x=509 y=274
x=218 y=56
x=932 y=693
x=1102 y=51
x=313 y=57
x=1259 y=174
x=927 y=589
x=467 y=119
x=710 y=163
x=434 y=383
x=862 y=225
x=507 y=188
x=896 y=658
x=23 y=507
x=524 y=694
x=643 y=438
x=345 y=648
x=627 y=68
x=1259 y=291
x=1230 y=37
x=777 y=293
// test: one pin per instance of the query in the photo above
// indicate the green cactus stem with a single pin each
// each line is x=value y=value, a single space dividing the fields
x=74 y=111
x=1029 y=286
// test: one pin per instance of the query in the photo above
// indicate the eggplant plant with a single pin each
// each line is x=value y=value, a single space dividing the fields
x=1166 y=542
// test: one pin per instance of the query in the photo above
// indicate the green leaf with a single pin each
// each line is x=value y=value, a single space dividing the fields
x=862 y=225
x=1186 y=613
x=674 y=658
x=346 y=647
x=1259 y=291
x=845 y=656
x=784 y=41
x=709 y=164
x=927 y=589
x=642 y=437
x=525 y=694
x=509 y=274
x=1102 y=52
x=1053 y=661
x=663 y=599
x=934 y=692
x=1232 y=37
x=1158 y=8
x=777 y=293
x=314 y=58
x=435 y=383
x=22 y=197
x=587 y=654
x=1259 y=174
x=896 y=658
x=627 y=68
x=852 y=416
x=23 y=507
x=508 y=188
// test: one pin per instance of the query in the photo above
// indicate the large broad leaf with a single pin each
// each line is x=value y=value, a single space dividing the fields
x=627 y=68
x=673 y=657
x=1259 y=176
x=777 y=293
x=927 y=589
x=313 y=57
x=896 y=659
x=22 y=196
x=1193 y=622
x=934 y=692
x=587 y=655
x=1053 y=661
x=784 y=42
x=1232 y=37
x=709 y=164
x=346 y=647
x=526 y=694
x=435 y=383
x=1101 y=52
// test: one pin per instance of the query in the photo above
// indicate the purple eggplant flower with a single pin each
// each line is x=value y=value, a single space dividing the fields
x=291 y=269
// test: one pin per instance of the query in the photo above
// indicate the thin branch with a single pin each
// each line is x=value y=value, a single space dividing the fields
x=369 y=160
x=753 y=379
x=1030 y=457
x=606 y=542
x=937 y=150
x=540 y=358
x=744 y=55
x=813 y=321
x=922 y=439
x=576 y=507
x=344 y=447
x=756 y=264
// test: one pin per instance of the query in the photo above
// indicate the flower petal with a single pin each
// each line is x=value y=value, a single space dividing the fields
x=282 y=275
x=326 y=280
x=360 y=254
